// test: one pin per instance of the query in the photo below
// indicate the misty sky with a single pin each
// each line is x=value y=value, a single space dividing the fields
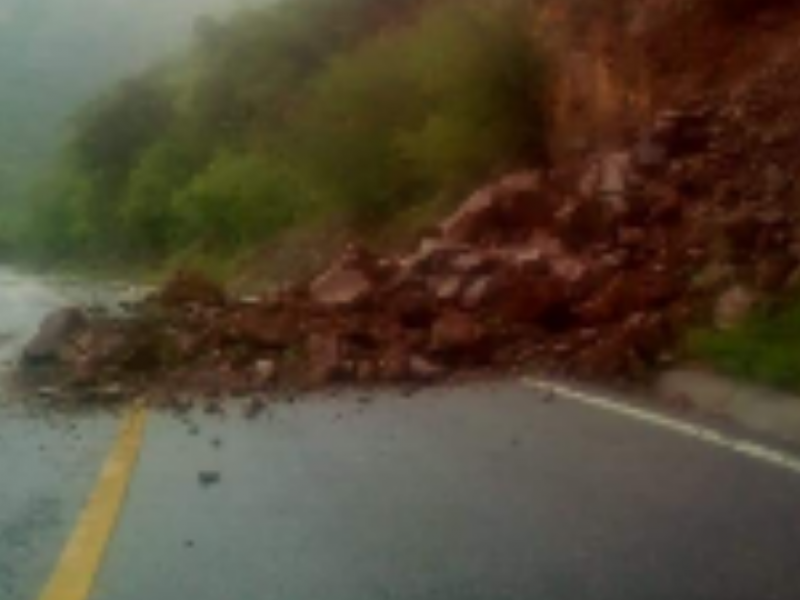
x=57 y=54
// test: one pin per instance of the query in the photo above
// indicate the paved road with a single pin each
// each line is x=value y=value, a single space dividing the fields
x=47 y=468
x=48 y=462
x=479 y=493
x=486 y=492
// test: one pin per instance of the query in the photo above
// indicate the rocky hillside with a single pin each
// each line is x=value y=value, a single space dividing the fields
x=594 y=267
x=620 y=62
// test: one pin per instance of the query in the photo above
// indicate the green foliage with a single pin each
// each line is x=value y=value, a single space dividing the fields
x=483 y=84
x=350 y=126
x=63 y=223
x=765 y=349
x=237 y=201
x=56 y=55
x=256 y=65
x=147 y=212
x=364 y=109
x=113 y=135
x=425 y=110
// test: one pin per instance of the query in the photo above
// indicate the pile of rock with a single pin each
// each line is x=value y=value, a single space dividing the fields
x=592 y=270
x=514 y=276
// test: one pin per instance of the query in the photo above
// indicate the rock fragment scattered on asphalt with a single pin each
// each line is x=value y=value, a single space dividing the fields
x=209 y=478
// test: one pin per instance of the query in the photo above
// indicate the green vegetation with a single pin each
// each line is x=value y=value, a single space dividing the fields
x=362 y=110
x=56 y=55
x=766 y=349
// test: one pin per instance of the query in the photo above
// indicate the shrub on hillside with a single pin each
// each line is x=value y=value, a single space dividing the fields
x=483 y=82
x=765 y=349
x=361 y=108
x=431 y=108
x=237 y=201
x=147 y=213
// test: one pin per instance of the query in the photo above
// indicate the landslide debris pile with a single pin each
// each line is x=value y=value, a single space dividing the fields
x=592 y=269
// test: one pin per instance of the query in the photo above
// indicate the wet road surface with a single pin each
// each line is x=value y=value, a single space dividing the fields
x=47 y=469
x=48 y=462
x=479 y=493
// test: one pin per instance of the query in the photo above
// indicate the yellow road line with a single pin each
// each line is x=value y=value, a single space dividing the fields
x=742 y=447
x=82 y=558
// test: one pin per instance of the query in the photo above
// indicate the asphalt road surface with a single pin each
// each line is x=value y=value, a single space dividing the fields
x=485 y=492
x=48 y=461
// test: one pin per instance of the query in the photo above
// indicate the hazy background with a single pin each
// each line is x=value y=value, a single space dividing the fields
x=57 y=54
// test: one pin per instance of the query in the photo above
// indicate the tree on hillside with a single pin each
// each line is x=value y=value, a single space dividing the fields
x=113 y=134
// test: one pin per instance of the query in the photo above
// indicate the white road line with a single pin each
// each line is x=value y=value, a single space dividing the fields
x=709 y=436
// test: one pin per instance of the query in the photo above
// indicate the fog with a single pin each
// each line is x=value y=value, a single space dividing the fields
x=57 y=54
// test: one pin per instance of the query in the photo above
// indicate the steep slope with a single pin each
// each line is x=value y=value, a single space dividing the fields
x=619 y=62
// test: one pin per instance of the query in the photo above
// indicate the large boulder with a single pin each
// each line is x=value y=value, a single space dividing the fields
x=682 y=133
x=434 y=256
x=326 y=358
x=583 y=223
x=503 y=212
x=261 y=329
x=55 y=334
x=457 y=333
x=628 y=293
x=411 y=303
x=341 y=287
x=649 y=156
x=349 y=281
x=530 y=298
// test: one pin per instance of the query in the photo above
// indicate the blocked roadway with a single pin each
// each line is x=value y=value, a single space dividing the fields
x=484 y=491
